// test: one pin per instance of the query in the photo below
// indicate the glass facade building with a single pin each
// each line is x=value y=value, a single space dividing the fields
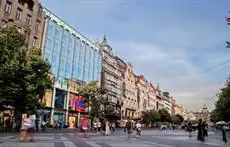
x=71 y=55
x=74 y=59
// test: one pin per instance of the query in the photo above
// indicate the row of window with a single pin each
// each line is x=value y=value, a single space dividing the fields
x=69 y=56
x=20 y=30
x=18 y=15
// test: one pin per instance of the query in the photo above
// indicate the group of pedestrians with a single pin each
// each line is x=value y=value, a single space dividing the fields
x=131 y=126
x=202 y=130
x=28 y=127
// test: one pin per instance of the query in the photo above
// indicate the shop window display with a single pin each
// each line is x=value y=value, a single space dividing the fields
x=60 y=97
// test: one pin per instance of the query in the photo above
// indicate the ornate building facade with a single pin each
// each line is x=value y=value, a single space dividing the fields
x=26 y=16
x=111 y=80
x=130 y=93
x=142 y=94
x=151 y=101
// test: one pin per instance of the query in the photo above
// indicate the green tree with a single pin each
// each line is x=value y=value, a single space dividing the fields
x=146 y=118
x=155 y=116
x=180 y=118
x=175 y=119
x=24 y=75
x=94 y=95
x=222 y=109
x=214 y=117
x=150 y=116
x=164 y=115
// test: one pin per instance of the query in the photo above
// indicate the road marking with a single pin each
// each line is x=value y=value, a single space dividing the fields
x=28 y=144
x=69 y=144
x=6 y=137
x=92 y=143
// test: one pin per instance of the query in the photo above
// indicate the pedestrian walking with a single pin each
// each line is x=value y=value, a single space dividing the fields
x=31 y=130
x=224 y=137
x=113 y=127
x=26 y=122
x=95 y=126
x=107 y=128
x=138 y=128
x=85 y=127
x=200 y=131
x=129 y=127
x=103 y=127
x=203 y=130
x=99 y=126
x=44 y=125
x=206 y=129
x=59 y=124
x=190 y=129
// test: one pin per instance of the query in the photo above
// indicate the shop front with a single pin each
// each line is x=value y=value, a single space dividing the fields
x=59 y=116
x=77 y=106
x=73 y=119
x=44 y=115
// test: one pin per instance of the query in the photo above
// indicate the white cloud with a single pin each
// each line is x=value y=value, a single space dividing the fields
x=172 y=70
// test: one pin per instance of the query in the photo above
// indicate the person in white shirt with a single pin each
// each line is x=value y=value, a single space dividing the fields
x=31 y=130
x=99 y=126
x=138 y=128
x=95 y=126
x=26 y=123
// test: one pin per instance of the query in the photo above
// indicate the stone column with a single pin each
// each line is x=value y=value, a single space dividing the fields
x=52 y=105
x=67 y=108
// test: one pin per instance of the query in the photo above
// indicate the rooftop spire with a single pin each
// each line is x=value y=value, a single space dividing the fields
x=104 y=40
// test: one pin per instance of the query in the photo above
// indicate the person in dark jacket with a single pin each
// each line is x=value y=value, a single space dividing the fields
x=200 y=131
x=203 y=130
x=224 y=133
x=190 y=129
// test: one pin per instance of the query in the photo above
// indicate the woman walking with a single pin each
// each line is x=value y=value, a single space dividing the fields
x=107 y=128
x=32 y=128
x=26 y=123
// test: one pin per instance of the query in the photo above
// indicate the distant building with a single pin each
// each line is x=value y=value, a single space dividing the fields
x=173 y=103
x=179 y=110
x=27 y=16
x=167 y=102
x=203 y=114
x=189 y=116
x=142 y=94
x=151 y=97
x=159 y=98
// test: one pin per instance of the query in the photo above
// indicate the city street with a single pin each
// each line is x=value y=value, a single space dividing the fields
x=149 y=138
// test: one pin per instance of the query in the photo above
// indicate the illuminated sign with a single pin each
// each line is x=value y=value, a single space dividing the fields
x=79 y=103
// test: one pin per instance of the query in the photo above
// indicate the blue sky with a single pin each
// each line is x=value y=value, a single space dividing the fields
x=176 y=43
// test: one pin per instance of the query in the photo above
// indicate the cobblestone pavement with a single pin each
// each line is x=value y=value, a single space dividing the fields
x=149 y=138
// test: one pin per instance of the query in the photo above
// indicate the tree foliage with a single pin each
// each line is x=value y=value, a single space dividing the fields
x=150 y=116
x=94 y=95
x=24 y=75
x=164 y=115
x=222 y=109
x=180 y=118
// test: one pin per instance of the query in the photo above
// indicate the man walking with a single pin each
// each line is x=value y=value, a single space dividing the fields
x=129 y=127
